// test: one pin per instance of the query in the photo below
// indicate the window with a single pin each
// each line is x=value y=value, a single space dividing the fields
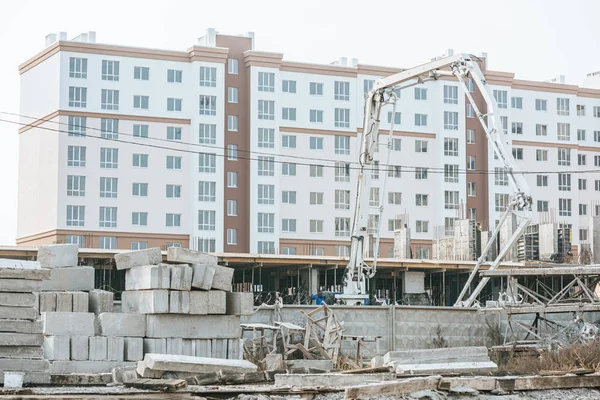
x=470 y=111
x=141 y=73
x=77 y=126
x=422 y=200
x=207 y=191
x=266 y=138
x=597 y=185
x=580 y=110
x=582 y=209
x=422 y=226
x=77 y=67
x=208 y=105
x=582 y=183
x=581 y=159
x=316 y=143
x=397 y=145
x=288 y=197
x=140 y=131
x=342 y=199
x=342 y=118
x=316 y=171
x=395 y=198
x=471 y=189
x=564 y=182
x=541 y=130
x=421 y=146
x=420 y=94
x=266 y=82
x=107 y=242
x=316 y=89
x=172 y=244
x=501 y=201
x=266 y=166
x=110 y=70
x=208 y=76
x=232 y=123
x=597 y=136
x=451 y=200
x=75 y=215
x=288 y=114
x=542 y=180
x=517 y=153
x=342 y=172
x=542 y=206
x=266 y=109
x=541 y=155
x=173 y=162
x=451 y=173
x=108 y=217
x=316 y=115
x=470 y=136
x=109 y=128
x=207 y=245
x=266 y=222
x=420 y=173
x=77 y=97
x=173 y=133
x=173 y=220
x=563 y=131
x=562 y=106
x=596 y=161
x=141 y=102
x=397 y=118
x=500 y=177
x=267 y=247
x=232 y=95
x=173 y=191
x=470 y=84
x=174 y=76
x=394 y=171
x=75 y=185
x=174 y=104
x=517 y=128
x=207 y=162
x=394 y=224
x=76 y=156
x=596 y=111
x=374 y=197
x=288 y=86
x=564 y=157
x=266 y=194
x=231 y=236
x=232 y=179
x=139 y=218
x=451 y=147
x=541 y=105
x=108 y=187
x=375 y=170
x=368 y=85
x=501 y=98
x=420 y=119
x=316 y=198
x=342 y=91
x=581 y=135
x=471 y=163
x=75 y=239
x=316 y=226
x=288 y=225
x=139 y=189
x=206 y=220
x=232 y=66
x=564 y=207
x=451 y=120
x=207 y=134
x=342 y=144
x=342 y=227
x=232 y=152
x=516 y=102
x=109 y=158
x=288 y=141
x=583 y=235
x=139 y=245
x=140 y=160
x=473 y=214
x=232 y=208
x=450 y=94
x=504 y=123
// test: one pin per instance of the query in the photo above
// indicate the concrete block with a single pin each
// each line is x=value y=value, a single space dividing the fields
x=122 y=324
x=219 y=348
x=145 y=301
x=47 y=301
x=223 y=278
x=203 y=276
x=217 y=302
x=179 y=302
x=476 y=368
x=21 y=339
x=21 y=326
x=20 y=285
x=86 y=367
x=148 y=277
x=58 y=255
x=130 y=375
x=193 y=326
x=199 y=302
x=116 y=348
x=155 y=345
x=134 y=348
x=33 y=352
x=81 y=302
x=178 y=363
x=274 y=362
x=64 y=301
x=18 y=313
x=20 y=269
x=325 y=365
x=203 y=347
x=235 y=349
x=331 y=380
x=187 y=256
x=72 y=278
x=175 y=346
x=33 y=378
x=98 y=348
x=181 y=277
x=138 y=258
x=80 y=348
x=101 y=301
x=145 y=372
x=23 y=365
x=68 y=323
x=17 y=299
x=188 y=347
x=96 y=379
x=238 y=303
x=117 y=373
x=57 y=348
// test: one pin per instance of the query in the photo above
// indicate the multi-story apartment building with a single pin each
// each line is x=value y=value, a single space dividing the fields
x=226 y=148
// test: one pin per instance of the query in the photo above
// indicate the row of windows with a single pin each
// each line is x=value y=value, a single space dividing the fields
x=563 y=156
x=108 y=217
x=563 y=131
x=109 y=129
x=562 y=104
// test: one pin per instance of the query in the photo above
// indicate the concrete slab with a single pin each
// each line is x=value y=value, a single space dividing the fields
x=138 y=258
x=187 y=256
x=122 y=324
x=193 y=326
x=64 y=301
x=199 y=302
x=145 y=372
x=394 y=388
x=145 y=301
x=81 y=302
x=239 y=303
x=217 y=301
x=116 y=348
x=179 y=302
x=72 y=278
x=101 y=301
x=58 y=255
x=331 y=380
x=65 y=323
x=20 y=285
x=478 y=367
x=223 y=278
x=325 y=365
x=148 y=277
x=47 y=301
x=21 y=339
x=203 y=276
x=117 y=374
x=86 y=367
x=33 y=352
x=219 y=348
x=134 y=349
x=33 y=378
x=98 y=348
x=81 y=379
x=235 y=349
x=57 y=348
x=178 y=363
x=30 y=313
x=181 y=277
x=80 y=348
x=175 y=346
x=17 y=299
x=434 y=355
x=21 y=326
x=23 y=364
x=23 y=272
x=188 y=347
x=155 y=345
x=203 y=347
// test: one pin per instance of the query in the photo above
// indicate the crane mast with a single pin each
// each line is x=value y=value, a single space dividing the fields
x=460 y=66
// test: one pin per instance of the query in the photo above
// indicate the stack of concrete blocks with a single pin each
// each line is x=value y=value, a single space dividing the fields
x=465 y=240
x=187 y=302
x=21 y=335
x=402 y=244
x=443 y=249
x=548 y=240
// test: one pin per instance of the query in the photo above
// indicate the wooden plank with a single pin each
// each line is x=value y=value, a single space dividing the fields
x=402 y=386
x=371 y=370
x=160 y=384
x=548 y=382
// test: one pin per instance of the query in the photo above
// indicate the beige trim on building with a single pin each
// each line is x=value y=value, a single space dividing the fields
x=546 y=144
x=319 y=69
x=254 y=58
x=404 y=133
x=39 y=122
x=377 y=70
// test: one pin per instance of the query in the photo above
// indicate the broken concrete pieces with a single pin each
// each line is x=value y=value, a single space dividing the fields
x=58 y=255
x=138 y=258
x=203 y=276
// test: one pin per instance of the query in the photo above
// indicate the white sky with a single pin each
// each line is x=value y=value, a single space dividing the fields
x=536 y=39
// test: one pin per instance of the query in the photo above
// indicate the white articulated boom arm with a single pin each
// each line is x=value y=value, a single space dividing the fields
x=461 y=66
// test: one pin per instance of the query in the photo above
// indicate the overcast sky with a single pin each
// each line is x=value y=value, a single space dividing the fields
x=536 y=39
